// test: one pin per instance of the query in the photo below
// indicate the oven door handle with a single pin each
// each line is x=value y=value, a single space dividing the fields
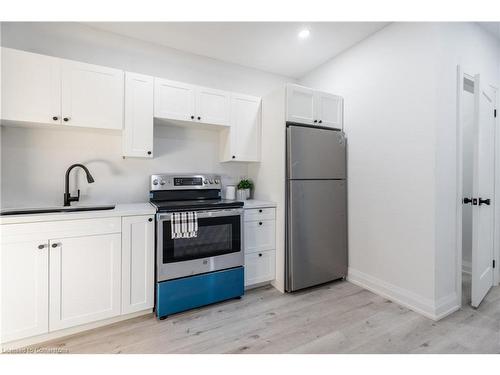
x=204 y=214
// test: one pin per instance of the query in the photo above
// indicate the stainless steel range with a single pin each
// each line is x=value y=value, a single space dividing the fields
x=206 y=267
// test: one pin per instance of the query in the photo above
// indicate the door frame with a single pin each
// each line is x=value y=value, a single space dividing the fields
x=459 y=181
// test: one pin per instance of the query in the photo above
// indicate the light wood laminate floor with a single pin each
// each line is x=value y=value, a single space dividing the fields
x=334 y=318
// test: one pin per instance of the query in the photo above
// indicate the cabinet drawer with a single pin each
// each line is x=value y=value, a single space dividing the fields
x=256 y=214
x=260 y=267
x=259 y=236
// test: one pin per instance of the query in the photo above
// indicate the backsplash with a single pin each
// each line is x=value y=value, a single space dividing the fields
x=34 y=161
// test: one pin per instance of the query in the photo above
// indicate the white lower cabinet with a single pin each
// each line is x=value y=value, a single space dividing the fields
x=85 y=278
x=62 y=274
x=25 y=288
x=137 y=263
x=260 y=245
x=260 y=267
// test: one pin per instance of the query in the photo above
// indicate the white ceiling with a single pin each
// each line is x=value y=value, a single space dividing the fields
x=270 y=46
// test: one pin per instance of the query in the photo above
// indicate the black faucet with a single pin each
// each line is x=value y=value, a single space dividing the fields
x=67 y=196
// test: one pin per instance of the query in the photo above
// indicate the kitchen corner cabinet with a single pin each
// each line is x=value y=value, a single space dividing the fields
x=50 y=90
x=31 y=87
x=138 y=129
x=260 y=245
x=241 y=141
x=312 y=107
x=137 y=263
x=25 y=287
x=62 y=274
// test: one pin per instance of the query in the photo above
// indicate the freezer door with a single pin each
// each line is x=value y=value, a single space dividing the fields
x=315 y=153
x=316 y=232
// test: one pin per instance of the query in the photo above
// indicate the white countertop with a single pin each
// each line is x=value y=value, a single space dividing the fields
x=254 y=203
x=129 y=209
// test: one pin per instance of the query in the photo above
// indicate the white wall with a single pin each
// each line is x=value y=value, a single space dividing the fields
x=400 y=88
x=477 y=51
x=34 y=160
x=388 y=85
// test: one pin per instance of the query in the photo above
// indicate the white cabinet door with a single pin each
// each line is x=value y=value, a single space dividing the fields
x=246 y=127
x=85 y=278
x=260 y=267
x=259 y=236
x=138 y=131
x=137 y=263
x=31 y=87
x=300 y=104
x=329 y=110
x=92 y=95
x=174 y=100
x=212 y=106
x=24 y=294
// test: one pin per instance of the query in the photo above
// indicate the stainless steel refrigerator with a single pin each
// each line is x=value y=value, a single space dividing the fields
x=316 y=211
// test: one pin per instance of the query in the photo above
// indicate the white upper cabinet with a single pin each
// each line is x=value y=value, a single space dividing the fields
x=138 y=130
x=31 y=87
x=300 y=104
x=92 y=96
x=138 y=255
x=44 y=89
x=212 y=106
x=328 y=109
x=311 y=107
x=24 y=282
x=174 y=100
x=241 y=142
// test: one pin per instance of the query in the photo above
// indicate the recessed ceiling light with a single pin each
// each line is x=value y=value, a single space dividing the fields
x=303 y=34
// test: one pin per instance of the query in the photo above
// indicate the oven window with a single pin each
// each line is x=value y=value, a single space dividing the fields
x=216 y=236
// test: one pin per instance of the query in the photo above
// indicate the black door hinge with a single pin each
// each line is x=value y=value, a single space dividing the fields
x=493 y=263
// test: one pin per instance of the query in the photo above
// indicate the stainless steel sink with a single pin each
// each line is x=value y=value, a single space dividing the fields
x=29 y=211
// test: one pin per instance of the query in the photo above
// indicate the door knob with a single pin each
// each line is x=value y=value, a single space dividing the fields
x=484 y=201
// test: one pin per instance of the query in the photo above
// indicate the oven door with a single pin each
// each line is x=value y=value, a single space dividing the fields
x=218 y=246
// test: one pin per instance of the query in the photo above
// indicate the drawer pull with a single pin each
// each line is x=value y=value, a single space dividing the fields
x=260 y=210
x=260 y=254
x=260 y=222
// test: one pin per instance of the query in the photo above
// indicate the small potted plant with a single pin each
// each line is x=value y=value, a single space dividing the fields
x=244 y=187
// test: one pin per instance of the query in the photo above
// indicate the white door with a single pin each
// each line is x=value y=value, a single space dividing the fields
x=300 y=105
x=212 y=106
x=138 y=131
x=85 y=278
x=329 y=109
x=174 y=100
x=24 y=293
x=31 y=87
x=483 y=189
x=92 y=96
x=137 y=263
x=245 y=127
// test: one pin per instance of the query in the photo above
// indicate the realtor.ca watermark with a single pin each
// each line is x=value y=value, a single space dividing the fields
x=35 y=350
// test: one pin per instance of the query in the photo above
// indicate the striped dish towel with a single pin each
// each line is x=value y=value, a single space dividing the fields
x=184 y=225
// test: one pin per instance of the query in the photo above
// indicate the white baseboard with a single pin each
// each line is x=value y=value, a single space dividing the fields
x=467 y=267
x=13 y=345
x=404 y=297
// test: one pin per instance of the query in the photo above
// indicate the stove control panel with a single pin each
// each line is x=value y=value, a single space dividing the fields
x=185 y=182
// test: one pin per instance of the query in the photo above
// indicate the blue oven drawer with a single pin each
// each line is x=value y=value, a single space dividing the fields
x=178 y=295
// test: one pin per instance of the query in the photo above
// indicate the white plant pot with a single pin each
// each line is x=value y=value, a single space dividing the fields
x=243 y=194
